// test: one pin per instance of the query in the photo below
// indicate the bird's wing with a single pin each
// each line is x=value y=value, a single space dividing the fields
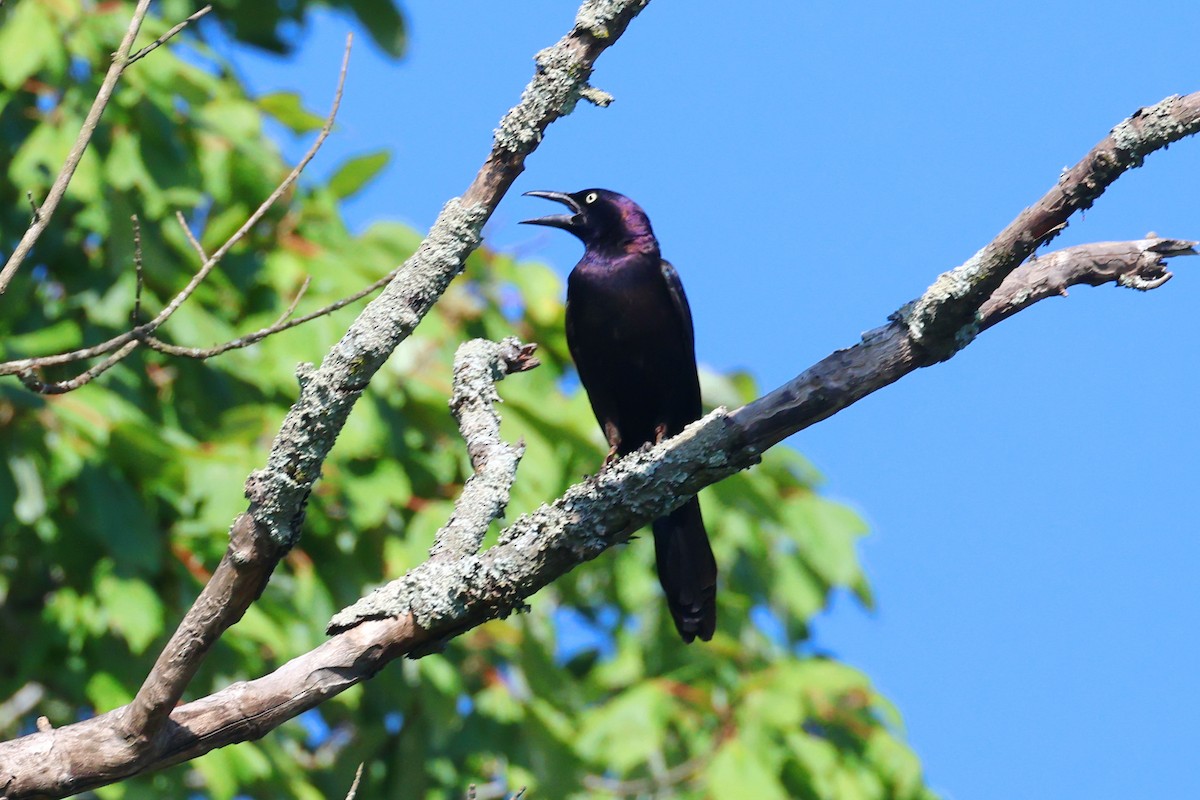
x=679 y=300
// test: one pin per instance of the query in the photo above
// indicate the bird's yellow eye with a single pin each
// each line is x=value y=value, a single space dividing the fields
x=591 y=198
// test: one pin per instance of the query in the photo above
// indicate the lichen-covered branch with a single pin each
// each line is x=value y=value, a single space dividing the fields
x=943 y=319
x=603 y=510
x=478 y=366
x=278 y=493
x=445 y=596
x=890 y=352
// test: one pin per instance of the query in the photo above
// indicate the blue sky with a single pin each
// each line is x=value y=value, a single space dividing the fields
x=811 y=166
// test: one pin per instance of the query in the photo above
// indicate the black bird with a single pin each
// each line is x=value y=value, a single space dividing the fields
x=630 y=332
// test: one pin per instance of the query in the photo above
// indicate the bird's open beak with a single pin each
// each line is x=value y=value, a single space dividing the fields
x=565 y=221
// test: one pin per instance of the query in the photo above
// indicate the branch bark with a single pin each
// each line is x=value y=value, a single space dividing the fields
x=478 y=366
x=443 y=597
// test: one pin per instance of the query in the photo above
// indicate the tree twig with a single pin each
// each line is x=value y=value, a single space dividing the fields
x=25 y=367
x=350 y=795
x=943 y=319
x=43 y=215
x=166 y=37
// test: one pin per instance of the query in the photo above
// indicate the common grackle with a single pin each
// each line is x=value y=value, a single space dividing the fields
x=629 y=329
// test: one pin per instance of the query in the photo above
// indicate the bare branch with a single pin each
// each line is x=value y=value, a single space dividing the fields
x=43 y=215
x=445 y=596
x=1137 y=265
x=35 y=384
x=478 y=366
x=136 y=314
x=943 y=319
x=890 y=352
x=282 y=324
x=605 y=509
x=24 y=367
x=166 y=37
x=350 y=795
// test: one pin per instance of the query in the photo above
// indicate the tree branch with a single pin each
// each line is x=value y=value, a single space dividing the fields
x=943 y=319
x=168 y=36
x=42 y=215
x=134 y=738
x=478 y=366
x=125 y=343
x=445 y=596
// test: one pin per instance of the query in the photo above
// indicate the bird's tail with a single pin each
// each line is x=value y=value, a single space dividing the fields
x=687 y=571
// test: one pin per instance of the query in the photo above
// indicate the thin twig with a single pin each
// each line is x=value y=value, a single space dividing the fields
x=166 y=37
x=59 y=188
x=35 y=384
x=354 y=786
x=282 y=324
x=191 y=237
x=137 y=269
x=203 y=625
x=142 y=332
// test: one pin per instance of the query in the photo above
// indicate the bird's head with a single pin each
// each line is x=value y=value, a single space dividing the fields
x=601 y=219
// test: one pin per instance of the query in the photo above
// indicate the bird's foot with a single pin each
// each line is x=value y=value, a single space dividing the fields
x=613 y=436
x=660 y=432
x=611 y=457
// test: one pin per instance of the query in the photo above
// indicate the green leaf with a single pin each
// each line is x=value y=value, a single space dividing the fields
x=106 y=692
x=383 y=21
x=736 y=772
x=28 y=41
x=133 y=609
x=629 y=730
x=287 y=108
x=357 y=172
x=115 y=517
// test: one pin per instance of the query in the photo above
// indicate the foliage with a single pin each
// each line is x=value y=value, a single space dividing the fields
x=121 y=493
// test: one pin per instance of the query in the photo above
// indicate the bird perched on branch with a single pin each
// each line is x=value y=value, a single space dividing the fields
x=629 y=329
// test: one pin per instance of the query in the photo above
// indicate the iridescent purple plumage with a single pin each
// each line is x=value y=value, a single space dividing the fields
x=629 y=328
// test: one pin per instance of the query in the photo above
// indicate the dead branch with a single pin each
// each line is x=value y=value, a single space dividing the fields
x=445 y=596
x=121 y=345
x=944 y=317
x=137 y=737
x=478 y=366
x=42 y=215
